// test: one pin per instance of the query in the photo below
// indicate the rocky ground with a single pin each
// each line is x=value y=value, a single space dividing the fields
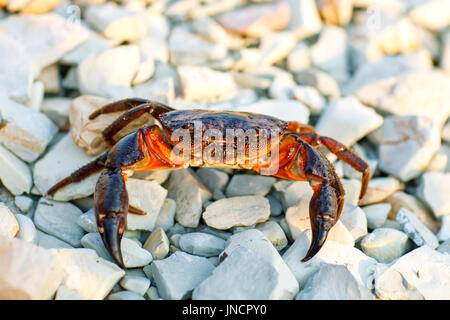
x=372 y=74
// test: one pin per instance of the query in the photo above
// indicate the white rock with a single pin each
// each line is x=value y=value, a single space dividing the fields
x=94 y=241
x=125 y=295
x=299 y=58
x=87 y=274
x=9 y=226
x=136 y=284
x=445 y=57
x=37 y=96
x=287 y=110
x=433 y=15
x=310 y=97
x=330 y=52
x=354 y=219
x=275 y=46
x=166 y=215
x=60 y=220
x=201 y=244
x=444 y=232
x=298 y=220
x=116 y=22
x=22 y=280
x=290 y=191
x=50 y=242
x=237 y=211
x=148 y=196
x=57 y=109
x=334 y=282
x=352 y=189
x=189 y=194
x=246 y=185
x=433 y=189
x=177 y=275
x=30 y=43
x=423 y=271
x=133 y=255
x=24 y=203
x=274 y=233
x=282 y=86
x=320 y=80
x=362 y=121
x=87 y=221
x=385 y=244
x=65 y=293
x=360 y=265
x=261 y=256
x=305 y=20
x=162 y=90
x=444 y=247
x=157 y=244
x=213 y=178
x=199 y=83
x=14 y=173
x=101 y=75
x=376 y=214
x=26 y=132
x=152 y=293
x=27 y=230
x=64 y=158
x=380 y=188
x=416 y=230
x=276 y=207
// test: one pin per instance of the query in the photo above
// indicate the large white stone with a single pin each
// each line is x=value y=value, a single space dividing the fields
x=64 y=158
x=360 y=265
x=434 y=15
x=103 y=75
x=27 y=271
x=26 y=132
x=424 y=271
x=133 y=255
x=135 y=284
x=166 y=216
x=416 y=230
x=87 y=274
x=348 y=113
x=9 y=226
x=179 y=274
x=434 y=188
x=274 y=233
x=201 y=244
x=246 y=185
x=385 y=244
x=157 y=244
x=376 y=214
x=14 y=173
x=237 y=211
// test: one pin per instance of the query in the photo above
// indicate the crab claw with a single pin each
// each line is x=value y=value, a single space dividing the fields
x=323 y=213
x=111 y=208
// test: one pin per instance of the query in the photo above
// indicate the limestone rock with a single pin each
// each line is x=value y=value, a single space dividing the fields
x=385 y=244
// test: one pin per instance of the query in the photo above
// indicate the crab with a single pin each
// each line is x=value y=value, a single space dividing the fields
x=296 y=148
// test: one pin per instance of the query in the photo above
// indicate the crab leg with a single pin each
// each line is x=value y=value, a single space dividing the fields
x=300 y=161
x=121 y=105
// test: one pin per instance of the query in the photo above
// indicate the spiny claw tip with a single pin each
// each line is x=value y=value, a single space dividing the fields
x=317 y=242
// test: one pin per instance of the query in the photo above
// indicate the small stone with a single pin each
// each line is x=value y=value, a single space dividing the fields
x=135 y=284
x=133 y=255
x=27 y=230
x=87 y=221
x=433 y=15
x=290 y=191
x=433 y=189
x=100 y=75
x=159 y=176
x=407 y=144
x=60 y=220
x=330 y=52
x=305 y=20
x=50 y=242
x=298 y=221
x=237 y=211
x=360 y=265
x=299 y=58
x=444 y=232
x=213 y=178
x=189 y=194
x=310 y=97
x=352 y=189
x=385 y=244
x=152 y=293
x=287 y=110
x=64 y=158
x=14 y=173
x=275 y=206
x=199 y=83
x=354 y=219
x=423 y=273
x=336 y=11
x=9 y=226
x=176 y=276
x=379 y=189
x=22 y=280
x=282 y=86
x=334 y=282
x=24 y=203
x=256 y=20
x=376 y=214
x=274 y=233
x=157 y=244
x=166 y=215
x=26 y=132
x=246 y=185
x=94 y=241
x=37 y=96
x=275 y=47
x=201 y=244
x=57 y=109
x=65 y=293
x=125 y=295
x=363 y=120
x=444 y=247
x=148 y=196
x=116 y=22
x=415 y=229
x=320 y=80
